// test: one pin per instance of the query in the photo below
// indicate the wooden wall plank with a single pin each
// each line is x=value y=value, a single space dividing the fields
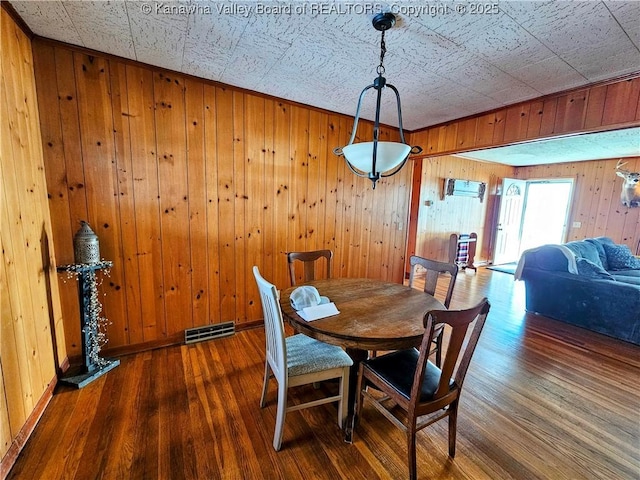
x=254 y=130
x=499 y=127
x=16 y=366
x=466 y=135
x=313 y=197
x=144 y=170
x=73 y=182
x=535 y=119
x=516 y=123
x=126 y=203
x=484 y=130
x=621 y=102
x=595 y=106
x=241 y=200
x=570 y=113
x=98 y=154
x=197 y=187
x=29 y=306
x=299 y=183
x=169 y=97
x=226 y=205
x=331 y=167
x=51 y=133
x=549 y=109
x=213 y=202
x=270 y=247
x=283 y=167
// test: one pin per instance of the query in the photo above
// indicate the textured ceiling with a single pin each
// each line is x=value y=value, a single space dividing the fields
x=448 y=59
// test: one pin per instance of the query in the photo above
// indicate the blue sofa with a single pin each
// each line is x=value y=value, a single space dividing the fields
x=592 y=283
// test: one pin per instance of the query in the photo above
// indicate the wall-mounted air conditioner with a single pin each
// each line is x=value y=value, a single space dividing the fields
x=464 y=188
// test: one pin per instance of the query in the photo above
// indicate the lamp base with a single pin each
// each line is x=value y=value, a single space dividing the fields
x=82 y=379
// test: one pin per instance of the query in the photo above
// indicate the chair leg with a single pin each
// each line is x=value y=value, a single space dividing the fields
x=280 y=416
x=453 y=423
x=265 y=384
x=344 y=393
x=411 y=452
x=359 y=398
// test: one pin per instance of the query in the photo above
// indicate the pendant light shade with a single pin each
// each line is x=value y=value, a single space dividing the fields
x=376 y=159
x=390 y=155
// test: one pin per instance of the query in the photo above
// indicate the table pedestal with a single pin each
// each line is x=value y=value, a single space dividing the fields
x=357 y=356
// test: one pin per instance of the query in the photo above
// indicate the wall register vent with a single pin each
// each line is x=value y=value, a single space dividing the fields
x=209 y=332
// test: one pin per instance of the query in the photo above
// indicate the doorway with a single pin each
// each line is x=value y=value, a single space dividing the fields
x=532 y=213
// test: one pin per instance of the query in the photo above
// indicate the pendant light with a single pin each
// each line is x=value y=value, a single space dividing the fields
x=376 y=159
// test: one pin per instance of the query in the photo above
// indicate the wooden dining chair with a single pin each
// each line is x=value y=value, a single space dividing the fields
x=308 y=260
x=433 y=276
x=423 y=392
x=297 y=360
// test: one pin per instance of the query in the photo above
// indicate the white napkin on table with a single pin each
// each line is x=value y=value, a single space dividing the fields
x=318 y=311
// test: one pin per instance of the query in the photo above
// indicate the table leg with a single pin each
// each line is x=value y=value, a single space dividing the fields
x=357 y=356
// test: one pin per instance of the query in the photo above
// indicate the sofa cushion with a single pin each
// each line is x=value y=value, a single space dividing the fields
x=627 y=279
x=626 y=273
x=588 y=269
x=586 y=250
x=598 y=243
x=619 y=257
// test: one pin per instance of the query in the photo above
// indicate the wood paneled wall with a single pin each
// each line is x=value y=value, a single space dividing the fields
x=29 y=298
x=439 y=217
x=604 y=106
x=596 y=199
x=189 y=184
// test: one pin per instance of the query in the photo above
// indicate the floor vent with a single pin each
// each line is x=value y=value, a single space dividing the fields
x=208 y=332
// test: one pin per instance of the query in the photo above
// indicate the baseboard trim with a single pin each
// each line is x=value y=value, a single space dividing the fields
x=175 y=339
x=27 y=429
x=64 y=366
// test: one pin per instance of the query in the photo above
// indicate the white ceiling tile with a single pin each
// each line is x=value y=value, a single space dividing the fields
x=159 y=35
x=567 y=25
x=595 y=63
x=514 y=94
x=103 y=26
x=210 y=43
x=49 y=19
x=543 y=76
x=627 y=14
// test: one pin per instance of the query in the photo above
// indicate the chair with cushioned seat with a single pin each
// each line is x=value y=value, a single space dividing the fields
x=423 y=392
x=297 y=360
x=308 y=260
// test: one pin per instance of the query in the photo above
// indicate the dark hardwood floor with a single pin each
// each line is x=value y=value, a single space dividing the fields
x=542 y=400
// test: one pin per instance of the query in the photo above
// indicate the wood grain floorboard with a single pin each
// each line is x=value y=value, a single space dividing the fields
x=542 y=400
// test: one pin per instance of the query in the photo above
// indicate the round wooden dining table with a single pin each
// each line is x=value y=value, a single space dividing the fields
x=374 y=315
